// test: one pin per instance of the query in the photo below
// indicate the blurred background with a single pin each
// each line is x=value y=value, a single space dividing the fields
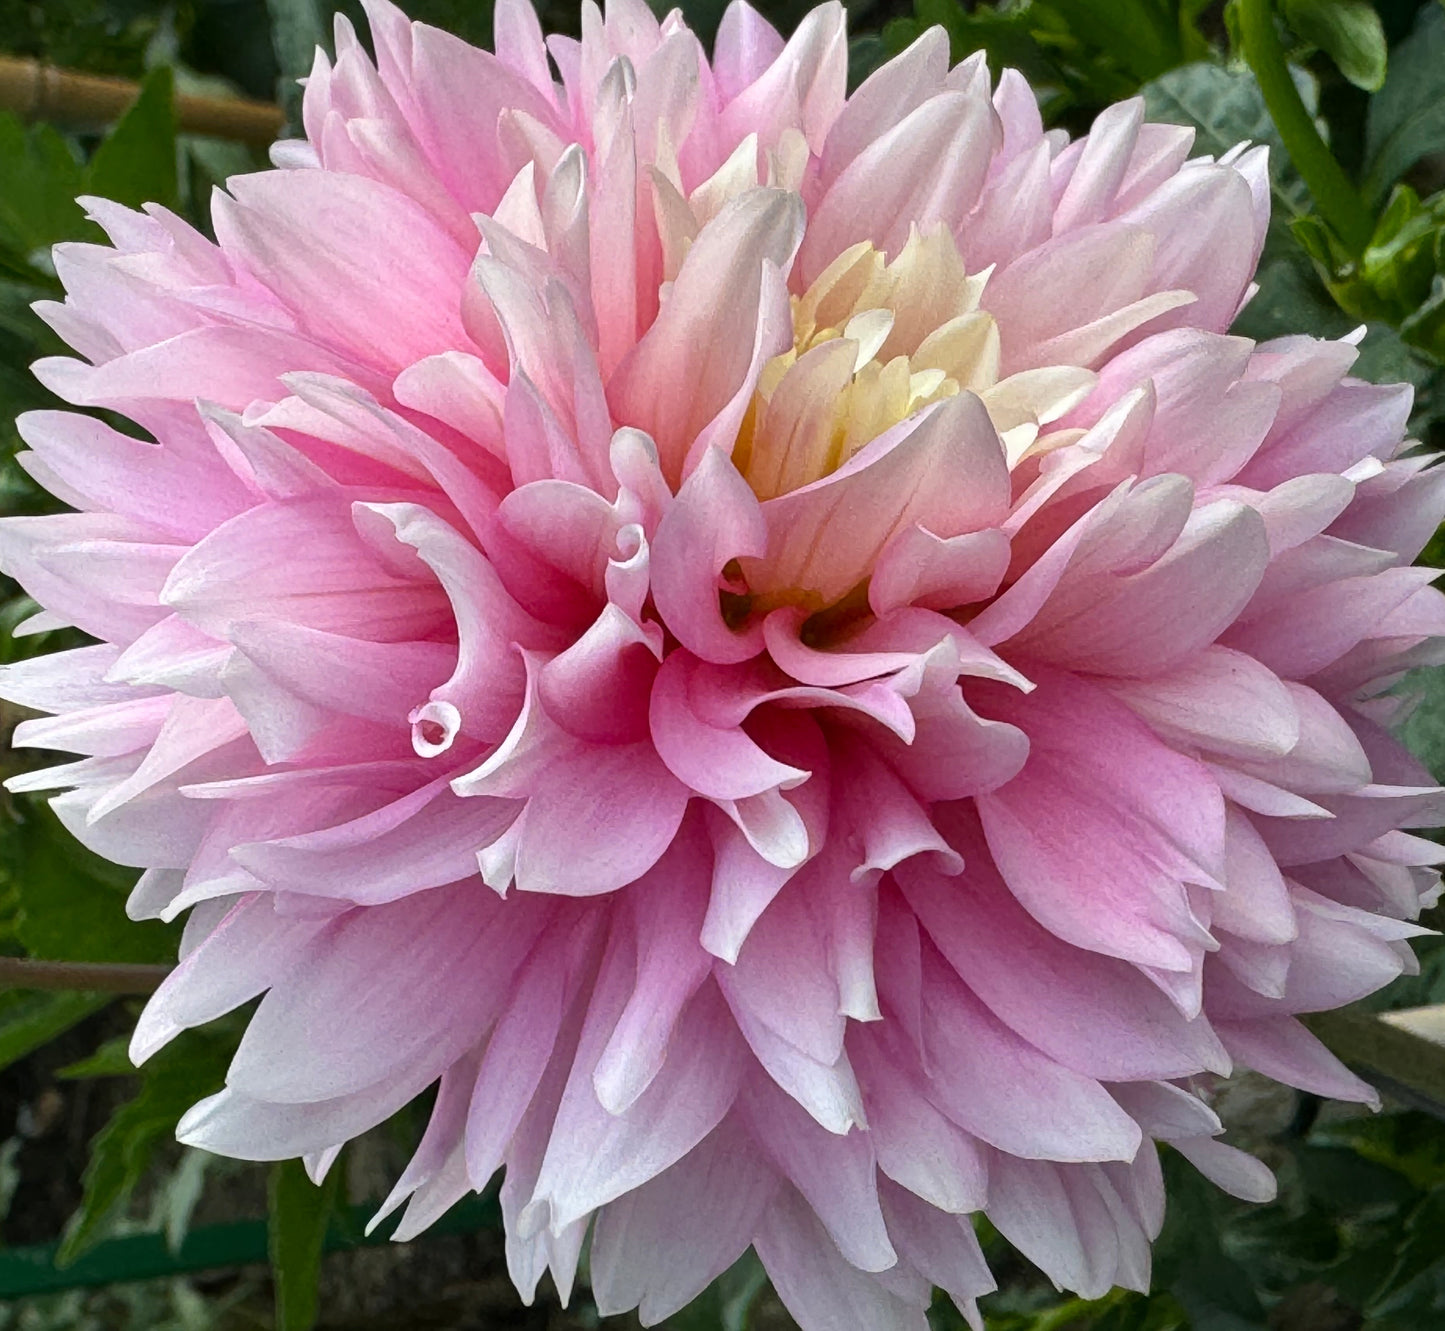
x=106 y=1223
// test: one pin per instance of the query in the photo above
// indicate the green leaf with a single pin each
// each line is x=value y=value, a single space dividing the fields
x=1425 y=327
x=136 y=163
x=300 y=1212
x=1342 y=1179
x=1191 y=1259
x=29 y=1019
x=72 y=902
x=188 y=1069
x=1399 y=282
x=1006 y=37
x=1399 y=262
x=1144 y=37
x=738 y=1288
x=1419 y=1252
x=39 y=179
x=1406 y=119
x=112 y=1059
x=1348 y=31
x=865 y=53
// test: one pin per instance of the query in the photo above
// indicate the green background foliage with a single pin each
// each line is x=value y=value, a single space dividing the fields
x=1354 y=1242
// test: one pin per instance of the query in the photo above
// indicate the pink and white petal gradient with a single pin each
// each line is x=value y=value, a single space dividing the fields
x=771 y=642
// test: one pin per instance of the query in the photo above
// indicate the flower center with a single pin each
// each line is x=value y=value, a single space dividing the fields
x=873 y=342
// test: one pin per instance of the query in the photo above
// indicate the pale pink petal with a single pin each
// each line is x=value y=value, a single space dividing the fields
x=883 y=99
x=1051 y=825
x=947 y=1255
x=344 y=254
x=826 y=536
x=633 y=1238
x=746 y=45
x=837 y=1174
x=918 y=1147
x=820 y=1287
x=1037 y=984
x=925 y=169
x=692 y=361
x=595 y=1157
x=714 y=520
x=1005 y=1092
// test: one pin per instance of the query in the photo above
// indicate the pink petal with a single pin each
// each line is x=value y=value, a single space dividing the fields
x=1039 y=986
x=1005 y=1092
x=1054 y=823
x=347 y=256
x=821 y=1288
x=714 y=520
x=691 y=362
x=634 y=1238
x=944 y=471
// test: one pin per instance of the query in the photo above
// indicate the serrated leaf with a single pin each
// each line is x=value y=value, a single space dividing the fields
x=29 y=1020
x=136 y=162
x=190 y=1068
x=1406 y=119
x=300 y=1213
x=1348 y=31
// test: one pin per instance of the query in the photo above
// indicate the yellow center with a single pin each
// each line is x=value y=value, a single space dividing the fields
x=873 y=342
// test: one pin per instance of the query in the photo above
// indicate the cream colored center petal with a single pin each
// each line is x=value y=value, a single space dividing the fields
x=873 y=343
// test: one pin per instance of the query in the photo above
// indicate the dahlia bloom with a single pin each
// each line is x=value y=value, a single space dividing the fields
x=770 y=641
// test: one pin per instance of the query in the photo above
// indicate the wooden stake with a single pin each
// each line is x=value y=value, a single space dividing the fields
x=84 y=976
x=91 y=101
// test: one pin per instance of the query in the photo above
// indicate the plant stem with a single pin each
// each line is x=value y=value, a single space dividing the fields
x=85 y=976
x=1335 y=196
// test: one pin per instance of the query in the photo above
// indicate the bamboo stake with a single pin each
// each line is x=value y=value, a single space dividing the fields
x=91 y=101
x=83 y=976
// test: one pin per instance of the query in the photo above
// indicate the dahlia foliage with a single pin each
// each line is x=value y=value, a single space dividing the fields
x=768 y=639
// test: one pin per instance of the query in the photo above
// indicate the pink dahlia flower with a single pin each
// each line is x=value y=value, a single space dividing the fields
x=769 y=640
